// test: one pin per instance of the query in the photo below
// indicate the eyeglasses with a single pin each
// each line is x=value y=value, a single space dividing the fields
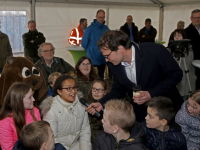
x=46 y=51
x=69 y=89
x=82 y=64
x=193 y=108
x=97 y=90
x=106 y=56
x=196 y=18
x=101 y=17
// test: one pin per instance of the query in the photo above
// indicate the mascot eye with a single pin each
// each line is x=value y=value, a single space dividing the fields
x=35 y=71
x=26 y=72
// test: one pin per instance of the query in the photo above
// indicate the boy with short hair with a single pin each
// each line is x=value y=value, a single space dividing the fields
x=51 y=80
x=160 y=135
x=37 y=136
x=120 y=132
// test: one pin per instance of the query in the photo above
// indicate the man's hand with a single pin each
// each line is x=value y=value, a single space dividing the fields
x=142 y=98
x=32 y=41
x=94 y=106
x=143 y=36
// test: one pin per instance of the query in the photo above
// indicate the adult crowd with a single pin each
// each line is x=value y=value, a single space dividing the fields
x=163 y=114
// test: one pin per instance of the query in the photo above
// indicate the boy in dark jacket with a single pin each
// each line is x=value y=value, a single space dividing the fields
x=121 y=132
x=37 y=135
x=160 y=135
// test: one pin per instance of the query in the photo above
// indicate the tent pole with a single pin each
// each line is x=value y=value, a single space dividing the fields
x=32 y=9
x=107 y=16
x=161 y=20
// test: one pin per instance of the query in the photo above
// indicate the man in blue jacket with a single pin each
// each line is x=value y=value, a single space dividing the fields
x=90 y=38
x=148 y=65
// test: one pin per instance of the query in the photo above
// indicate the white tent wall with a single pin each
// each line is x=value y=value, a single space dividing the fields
x=173 y=14
x=16 y=6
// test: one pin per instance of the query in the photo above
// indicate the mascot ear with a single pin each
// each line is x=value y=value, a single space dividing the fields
x=29 y=58
x=11 y=59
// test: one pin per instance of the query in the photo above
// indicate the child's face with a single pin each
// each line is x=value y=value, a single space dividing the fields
x=152 y=119
x=54 y=80
x=28 y=100
x=106 y=123
x=69 y=93
x=178 y=36
x=85 y=67
x=50 y=143
x=193 y=107
x=98 y=91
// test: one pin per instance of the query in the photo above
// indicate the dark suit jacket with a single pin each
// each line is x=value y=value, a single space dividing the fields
x=193 y=34
x=148 y=38
x=156 y=72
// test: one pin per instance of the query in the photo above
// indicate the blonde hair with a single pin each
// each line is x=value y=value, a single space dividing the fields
x=195 y=96
x=122 y=114
x=35 y=134
x=51 y=76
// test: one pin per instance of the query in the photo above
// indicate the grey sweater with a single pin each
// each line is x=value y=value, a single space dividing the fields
x=190 y=127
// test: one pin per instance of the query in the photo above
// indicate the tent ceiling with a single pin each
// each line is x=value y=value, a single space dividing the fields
x=149 y=3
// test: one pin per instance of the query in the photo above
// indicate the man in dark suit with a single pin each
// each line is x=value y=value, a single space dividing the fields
x=193 y=33
x=148 y=65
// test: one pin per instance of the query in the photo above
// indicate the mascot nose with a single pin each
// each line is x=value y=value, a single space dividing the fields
x=34 y=82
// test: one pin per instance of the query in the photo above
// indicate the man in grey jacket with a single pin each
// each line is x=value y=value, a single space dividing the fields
x=5 y=49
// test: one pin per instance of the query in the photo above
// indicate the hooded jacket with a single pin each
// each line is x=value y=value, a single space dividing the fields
x=89 y=41
x=136 y=141
x=172 y=139
x=125 y=29
x=69 y=122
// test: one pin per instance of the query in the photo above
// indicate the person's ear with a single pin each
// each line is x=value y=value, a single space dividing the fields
x=105 y=92
x=121 y=48
x=44 y=146
x=163 y=122
x=59 y=92
x=115 y=129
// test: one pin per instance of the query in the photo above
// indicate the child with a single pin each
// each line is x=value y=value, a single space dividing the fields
x=37 y=135
x=67 y=117
x=51 y=81
x=160 y=135
x=18 y=110
x=120 y=129
x=98 y=89
x=188 y=117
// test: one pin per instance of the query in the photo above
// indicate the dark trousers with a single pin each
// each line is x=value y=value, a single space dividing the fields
x=101 y=69
x=197 y=72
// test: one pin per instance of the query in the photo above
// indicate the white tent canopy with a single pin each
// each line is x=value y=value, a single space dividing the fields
x=56 y=18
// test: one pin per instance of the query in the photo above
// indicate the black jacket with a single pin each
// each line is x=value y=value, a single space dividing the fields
x=193 y=34
x=156 y=72
x=125 y=29
x=148 y=38
x=173 y=139
x=19 y=146
x=136 y=140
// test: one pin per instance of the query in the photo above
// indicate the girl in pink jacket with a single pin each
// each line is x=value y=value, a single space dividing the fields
x=17 y=111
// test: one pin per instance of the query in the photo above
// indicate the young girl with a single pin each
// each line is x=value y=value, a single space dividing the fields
x=17 y=111
x=66 y=115
x=188 y=117
x=183 y=86
x=98 y=90
x=84 y=74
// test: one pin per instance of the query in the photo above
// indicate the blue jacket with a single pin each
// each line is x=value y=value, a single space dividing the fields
x=172 y=139
x=89 y=41
x=19 y=146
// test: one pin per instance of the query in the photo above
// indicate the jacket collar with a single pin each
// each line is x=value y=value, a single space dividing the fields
x=69 y=106
x=95 y=22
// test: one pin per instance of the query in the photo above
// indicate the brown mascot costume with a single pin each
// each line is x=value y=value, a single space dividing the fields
x=20 y=69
